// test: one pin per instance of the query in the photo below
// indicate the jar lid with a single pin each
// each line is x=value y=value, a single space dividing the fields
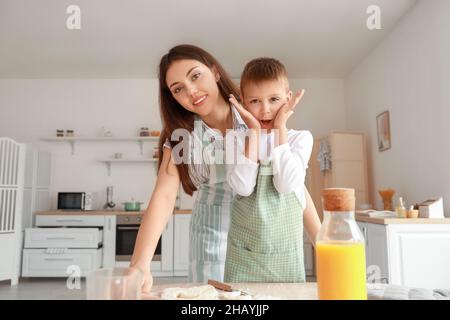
x=338 y=199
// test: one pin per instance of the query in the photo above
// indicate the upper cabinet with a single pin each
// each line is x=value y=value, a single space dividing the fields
x=348 y=159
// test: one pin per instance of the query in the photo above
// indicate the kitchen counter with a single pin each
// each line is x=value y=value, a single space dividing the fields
x=385 y=221
x=101 y=212
x=290 y=291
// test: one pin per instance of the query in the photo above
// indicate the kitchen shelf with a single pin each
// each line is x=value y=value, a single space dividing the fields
x=73 y=140
x=110 y=161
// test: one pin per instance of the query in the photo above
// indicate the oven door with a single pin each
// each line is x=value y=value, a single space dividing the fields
x=126 y=239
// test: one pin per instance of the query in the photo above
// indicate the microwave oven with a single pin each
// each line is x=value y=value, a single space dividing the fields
x=75 y=201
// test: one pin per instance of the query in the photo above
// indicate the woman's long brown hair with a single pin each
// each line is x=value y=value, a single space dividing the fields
x=173 y=115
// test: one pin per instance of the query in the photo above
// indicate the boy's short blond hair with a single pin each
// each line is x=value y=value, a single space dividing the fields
x=263 y=69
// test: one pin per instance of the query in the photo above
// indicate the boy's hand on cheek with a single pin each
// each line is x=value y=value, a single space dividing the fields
x=287 y=110
x=248 y=118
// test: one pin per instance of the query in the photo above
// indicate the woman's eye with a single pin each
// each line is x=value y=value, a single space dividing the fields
x=274 y=99
x=177 y=90
x=196 y=76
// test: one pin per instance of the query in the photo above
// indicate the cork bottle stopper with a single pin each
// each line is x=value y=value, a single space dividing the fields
x=338 y=199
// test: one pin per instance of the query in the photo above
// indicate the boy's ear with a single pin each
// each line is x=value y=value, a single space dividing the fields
x=215 y=73
x=289 y=95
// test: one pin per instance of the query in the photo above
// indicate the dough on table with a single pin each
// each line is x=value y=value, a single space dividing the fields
x=206 y=292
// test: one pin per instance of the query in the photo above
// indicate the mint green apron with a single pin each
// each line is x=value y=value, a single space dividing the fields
x=265 y=240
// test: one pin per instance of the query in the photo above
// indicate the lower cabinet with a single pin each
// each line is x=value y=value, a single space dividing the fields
x=163 y=267
x=60 y=262
x=181 y=244
x=63 y=245
x=309 y=259
x=412 y=255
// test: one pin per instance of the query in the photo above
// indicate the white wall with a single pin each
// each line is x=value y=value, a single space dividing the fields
x=322 y=108
x=34 y=108
x=409 y=75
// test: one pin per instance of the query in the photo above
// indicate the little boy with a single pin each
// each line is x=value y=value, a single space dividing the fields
x=265 y=239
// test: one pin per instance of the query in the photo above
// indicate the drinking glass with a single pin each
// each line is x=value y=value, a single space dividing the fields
x=114 y=284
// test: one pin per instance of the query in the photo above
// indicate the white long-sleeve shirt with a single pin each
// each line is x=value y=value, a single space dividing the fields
x=289 y=163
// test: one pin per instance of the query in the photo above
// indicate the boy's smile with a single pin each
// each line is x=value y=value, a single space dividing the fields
x=264 y=99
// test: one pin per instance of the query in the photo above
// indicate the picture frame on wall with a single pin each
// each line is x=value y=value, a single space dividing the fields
x=383 y=131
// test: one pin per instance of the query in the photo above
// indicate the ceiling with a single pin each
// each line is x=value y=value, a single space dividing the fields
x=125 y=39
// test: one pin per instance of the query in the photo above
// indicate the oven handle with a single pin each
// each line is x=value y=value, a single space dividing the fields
x=127 y=228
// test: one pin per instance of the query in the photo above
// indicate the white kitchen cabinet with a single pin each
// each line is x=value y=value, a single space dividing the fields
x=98 y=229
x=164 y=267
x=419 y=255
x=63 y=237
x=309 y=256
x=348 y=164
x=109 y=242
x=181 y=244
x=413 y=255
x=308 y=252
x=56 y=262
x=376 y=252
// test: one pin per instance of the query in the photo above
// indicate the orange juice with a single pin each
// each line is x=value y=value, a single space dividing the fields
x=341 y=271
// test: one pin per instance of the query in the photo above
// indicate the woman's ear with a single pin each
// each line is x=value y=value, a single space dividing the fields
x=215 y=73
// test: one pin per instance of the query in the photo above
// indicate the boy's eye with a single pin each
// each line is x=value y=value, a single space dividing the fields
x=196 y=76
x=254 y=101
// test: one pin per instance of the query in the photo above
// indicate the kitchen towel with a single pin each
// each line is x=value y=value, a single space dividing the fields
x=377 y=291
x=324 y=156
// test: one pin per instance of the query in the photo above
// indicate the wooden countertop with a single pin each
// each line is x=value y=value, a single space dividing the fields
x=100 y=212
x=290 y=291
x=385 y=221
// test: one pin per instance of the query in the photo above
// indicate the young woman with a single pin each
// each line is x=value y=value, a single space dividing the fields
x=194 y=91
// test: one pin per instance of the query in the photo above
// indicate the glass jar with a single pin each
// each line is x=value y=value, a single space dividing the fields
x=340 y=249
x=144 y=132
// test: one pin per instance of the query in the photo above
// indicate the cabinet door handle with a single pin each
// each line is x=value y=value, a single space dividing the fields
x=60 y=238
x=69 y=220
x=58 y=259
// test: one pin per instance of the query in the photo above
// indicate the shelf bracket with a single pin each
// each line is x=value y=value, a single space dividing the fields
x=108 y=165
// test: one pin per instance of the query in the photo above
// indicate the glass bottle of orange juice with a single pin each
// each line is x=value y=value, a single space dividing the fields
x=340 y=250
